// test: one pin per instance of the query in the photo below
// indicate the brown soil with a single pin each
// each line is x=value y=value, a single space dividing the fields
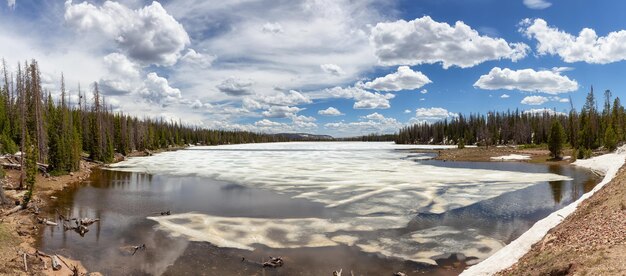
x=591 y=241
x=19 y=230
x=482 y=154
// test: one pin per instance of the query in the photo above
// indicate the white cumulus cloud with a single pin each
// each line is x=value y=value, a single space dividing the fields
x=425 y=40
x=123 y=75
x=235 y=87
x=372 y=123
x=281 y=111
x=534 y=100
x=537 y=4
x=403 y=79
x=505 y=96
x=331 y=111
x=539 y=111
x=528 y=80
x=363 y=99
x=587 y=46
x=149 y=35
x=332 y=69
x=157 y=90
x=433 y=114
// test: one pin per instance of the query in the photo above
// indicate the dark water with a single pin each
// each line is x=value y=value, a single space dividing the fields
x=123 y=200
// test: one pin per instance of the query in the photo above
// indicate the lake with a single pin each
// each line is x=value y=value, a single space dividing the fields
x=370 y=208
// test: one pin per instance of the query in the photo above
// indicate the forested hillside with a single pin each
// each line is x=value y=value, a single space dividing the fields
x=589 y=129
x=59 y=133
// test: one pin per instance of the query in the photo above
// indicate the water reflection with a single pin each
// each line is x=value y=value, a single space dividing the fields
x=556 y=186
x=123 y=201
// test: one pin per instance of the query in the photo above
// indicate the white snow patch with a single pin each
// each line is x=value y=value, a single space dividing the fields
x=607 y=164
x=511 y=157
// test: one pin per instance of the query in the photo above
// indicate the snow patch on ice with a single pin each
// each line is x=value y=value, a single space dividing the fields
x=607 y=164
x=511 y=157
x=244 y=233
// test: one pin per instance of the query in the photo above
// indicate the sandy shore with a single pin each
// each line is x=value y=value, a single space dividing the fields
x=18 y=231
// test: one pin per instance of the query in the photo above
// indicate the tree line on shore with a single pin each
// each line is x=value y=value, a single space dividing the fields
x=58 y=133
x=584 y=130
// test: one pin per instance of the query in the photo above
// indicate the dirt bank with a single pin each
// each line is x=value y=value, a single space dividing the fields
x=18 y=231
x=591 y=241
x=483 y=154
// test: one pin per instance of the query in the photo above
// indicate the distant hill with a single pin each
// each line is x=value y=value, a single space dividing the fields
x=305 y=136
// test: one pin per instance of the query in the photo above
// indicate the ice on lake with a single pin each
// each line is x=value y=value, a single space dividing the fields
x=375 y=185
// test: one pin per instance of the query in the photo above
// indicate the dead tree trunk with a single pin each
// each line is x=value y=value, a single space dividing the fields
x=3 y=198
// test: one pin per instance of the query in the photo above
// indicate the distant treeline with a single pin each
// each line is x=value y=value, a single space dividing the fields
x=372 y=138
x=59 y=133
x=586 y=130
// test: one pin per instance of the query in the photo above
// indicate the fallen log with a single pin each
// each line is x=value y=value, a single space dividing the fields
x=274 y=262
x=56 y=264
x=25 y=263
x=399 y=274
x=46 y=221
x=13 y=210
x=59 y=257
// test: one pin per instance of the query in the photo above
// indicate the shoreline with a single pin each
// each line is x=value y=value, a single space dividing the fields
x=19 y=231
x=531 y=244
x=48 y=186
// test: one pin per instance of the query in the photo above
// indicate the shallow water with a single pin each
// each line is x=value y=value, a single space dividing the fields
x=366 y=207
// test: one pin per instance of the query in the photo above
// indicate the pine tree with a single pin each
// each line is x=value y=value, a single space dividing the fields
x=610 y=139
x=556 y=140
x=31 y=170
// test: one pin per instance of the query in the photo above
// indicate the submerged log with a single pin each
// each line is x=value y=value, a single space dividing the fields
x=274 y=262
x=81 y=230
x=138 y=247
x=87 y=221
x=164 y=213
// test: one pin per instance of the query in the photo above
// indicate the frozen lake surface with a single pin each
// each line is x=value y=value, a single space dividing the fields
x=378 y=204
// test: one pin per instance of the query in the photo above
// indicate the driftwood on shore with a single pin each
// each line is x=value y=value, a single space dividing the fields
x=12 y=162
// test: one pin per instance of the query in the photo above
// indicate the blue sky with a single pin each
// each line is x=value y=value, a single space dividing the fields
x=331 y=67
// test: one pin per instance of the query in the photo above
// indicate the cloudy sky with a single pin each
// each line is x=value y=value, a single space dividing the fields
x=338 y=67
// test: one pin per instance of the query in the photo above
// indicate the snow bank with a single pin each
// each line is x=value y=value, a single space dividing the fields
x=511 y=157
x=607 y=164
